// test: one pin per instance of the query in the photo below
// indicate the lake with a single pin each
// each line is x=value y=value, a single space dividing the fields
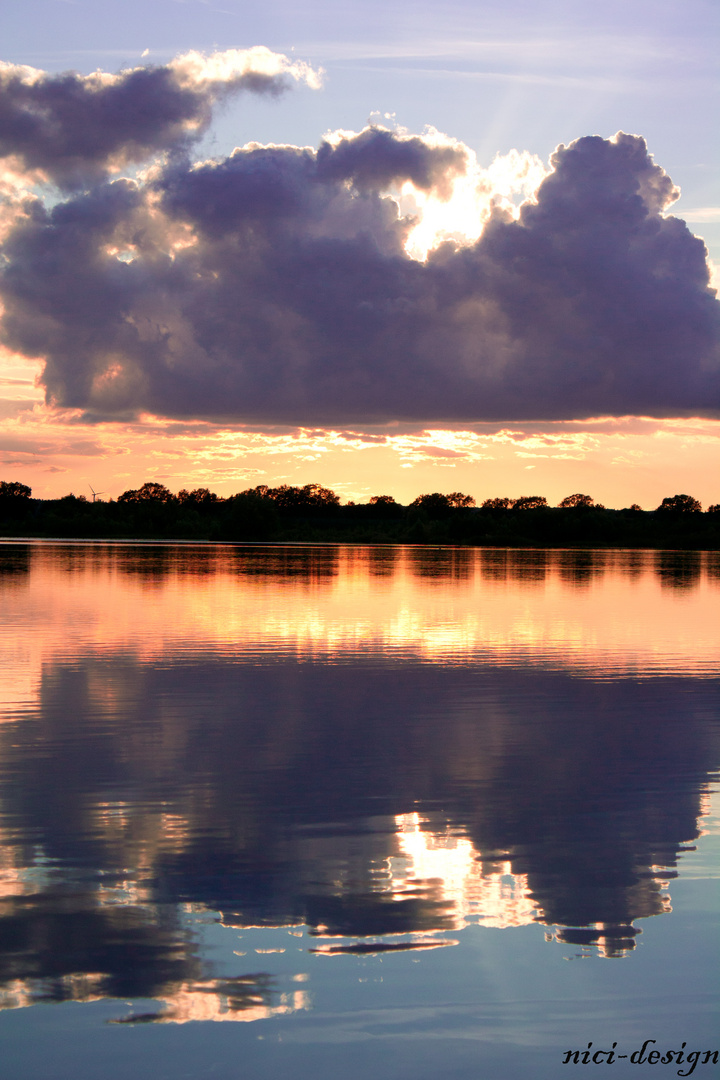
x=326 y=811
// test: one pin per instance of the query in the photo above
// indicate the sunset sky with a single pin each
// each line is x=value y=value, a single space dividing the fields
x=387 y=248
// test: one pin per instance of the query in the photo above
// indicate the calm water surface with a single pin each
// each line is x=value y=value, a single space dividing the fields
x=355 y=812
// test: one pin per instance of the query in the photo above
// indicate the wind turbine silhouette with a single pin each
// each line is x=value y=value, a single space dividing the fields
x=94 y=492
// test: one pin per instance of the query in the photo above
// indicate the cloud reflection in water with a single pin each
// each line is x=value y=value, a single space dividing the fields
x=380 y=801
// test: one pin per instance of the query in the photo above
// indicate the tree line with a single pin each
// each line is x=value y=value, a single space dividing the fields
x=315 y=513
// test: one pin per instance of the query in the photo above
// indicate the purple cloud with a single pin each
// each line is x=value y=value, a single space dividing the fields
x=375 y=159
x=72 y=129
x=273 y=286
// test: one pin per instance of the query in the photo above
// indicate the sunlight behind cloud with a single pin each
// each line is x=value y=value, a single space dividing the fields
x=462 y=217
x=198 y=69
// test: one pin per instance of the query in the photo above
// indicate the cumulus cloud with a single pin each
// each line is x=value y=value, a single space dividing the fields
x=71 y=129
x=275 y=286
x=377 y=158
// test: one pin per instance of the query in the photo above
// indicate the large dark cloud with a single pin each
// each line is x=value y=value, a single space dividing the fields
x=274 y=286
x=72 y=129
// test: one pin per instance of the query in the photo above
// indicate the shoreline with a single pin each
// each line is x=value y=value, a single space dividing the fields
x=86 y=541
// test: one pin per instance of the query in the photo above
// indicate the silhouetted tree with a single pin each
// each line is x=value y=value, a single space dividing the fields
x=497 y=504
x=460 y=501
x=572 y=501
x=530 y=502
x=385 y=507
x=311 y=496
x=436 y=505
x=13 y=489
x=680 y=504
x=249 y=515
x=198 y=497
x=149 y=492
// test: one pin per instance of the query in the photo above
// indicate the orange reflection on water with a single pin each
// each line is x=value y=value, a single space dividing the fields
x=601 y=613
x=243 y=999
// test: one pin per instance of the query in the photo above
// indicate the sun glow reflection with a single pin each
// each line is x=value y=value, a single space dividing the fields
x=481 y=893
x=232 y=1000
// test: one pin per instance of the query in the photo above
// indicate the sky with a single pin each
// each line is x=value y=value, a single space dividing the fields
x=390 y=249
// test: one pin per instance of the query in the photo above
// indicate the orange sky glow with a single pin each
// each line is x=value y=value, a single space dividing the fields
x=618 y=461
